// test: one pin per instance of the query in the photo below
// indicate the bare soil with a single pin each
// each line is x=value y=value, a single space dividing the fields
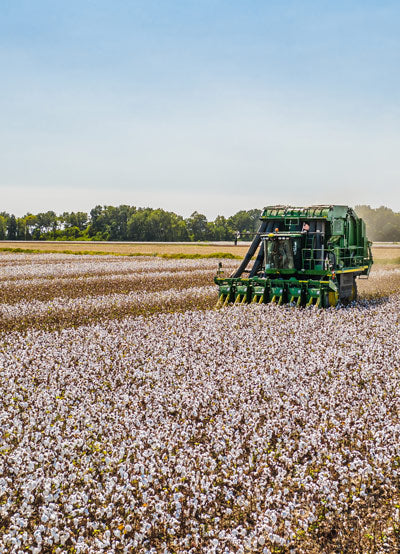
x=381 y=254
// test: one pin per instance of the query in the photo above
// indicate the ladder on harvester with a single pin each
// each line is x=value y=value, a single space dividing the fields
x=309 y=252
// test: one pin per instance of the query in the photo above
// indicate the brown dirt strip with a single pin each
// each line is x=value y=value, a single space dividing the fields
x=386 y=255
x=58 y=320
x=75 y=288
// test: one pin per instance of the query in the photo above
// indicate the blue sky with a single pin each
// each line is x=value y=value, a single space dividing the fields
x=201 y=105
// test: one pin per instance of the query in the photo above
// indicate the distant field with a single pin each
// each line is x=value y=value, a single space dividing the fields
x=146 y=248
x=382 y=253
x=386 y=255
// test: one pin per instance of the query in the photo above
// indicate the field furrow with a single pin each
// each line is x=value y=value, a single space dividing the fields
x=100 y=285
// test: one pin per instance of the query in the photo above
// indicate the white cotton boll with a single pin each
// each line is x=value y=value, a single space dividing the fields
x=21 y=522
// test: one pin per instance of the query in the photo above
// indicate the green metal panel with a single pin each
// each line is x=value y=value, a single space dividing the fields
x=359 y=241
x=283 y=212
x=338 y=227
x=351 y=231
x=338 y=212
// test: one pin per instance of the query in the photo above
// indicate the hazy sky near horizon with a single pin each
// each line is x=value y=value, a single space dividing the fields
x=208 y=105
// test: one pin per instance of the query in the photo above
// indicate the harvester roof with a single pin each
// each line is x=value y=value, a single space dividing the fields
x=307 y=212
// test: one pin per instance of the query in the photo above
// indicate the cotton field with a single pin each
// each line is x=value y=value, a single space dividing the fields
x=136 y=418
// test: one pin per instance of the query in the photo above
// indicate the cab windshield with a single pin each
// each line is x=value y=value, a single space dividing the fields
x=281 y=252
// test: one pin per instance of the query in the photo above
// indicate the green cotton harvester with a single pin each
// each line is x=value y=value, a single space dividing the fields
x=303 y=256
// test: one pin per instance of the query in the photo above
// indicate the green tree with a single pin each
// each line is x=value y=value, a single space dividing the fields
x=30 y=222
x=156 y=225
x=220 y=230
x=97 y=223
x=383 y=224
x=246 y=222
x=110 y=222
x=137 y=225
x=197 y=227
x=75 y=219
x=12 y=228
x=3 y=227
x=179 y=230
x=46 y=225
x=21 y=228
x=117 y=221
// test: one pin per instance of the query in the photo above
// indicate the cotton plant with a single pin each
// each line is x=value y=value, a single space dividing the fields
x=23 y=267
x=58 y=292
x=258 y=429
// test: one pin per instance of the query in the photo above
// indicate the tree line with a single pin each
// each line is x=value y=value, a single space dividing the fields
x=383 y=224
x=120 y=223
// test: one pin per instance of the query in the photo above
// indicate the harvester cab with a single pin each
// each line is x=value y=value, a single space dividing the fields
x=281 y=251
x=304 y=256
